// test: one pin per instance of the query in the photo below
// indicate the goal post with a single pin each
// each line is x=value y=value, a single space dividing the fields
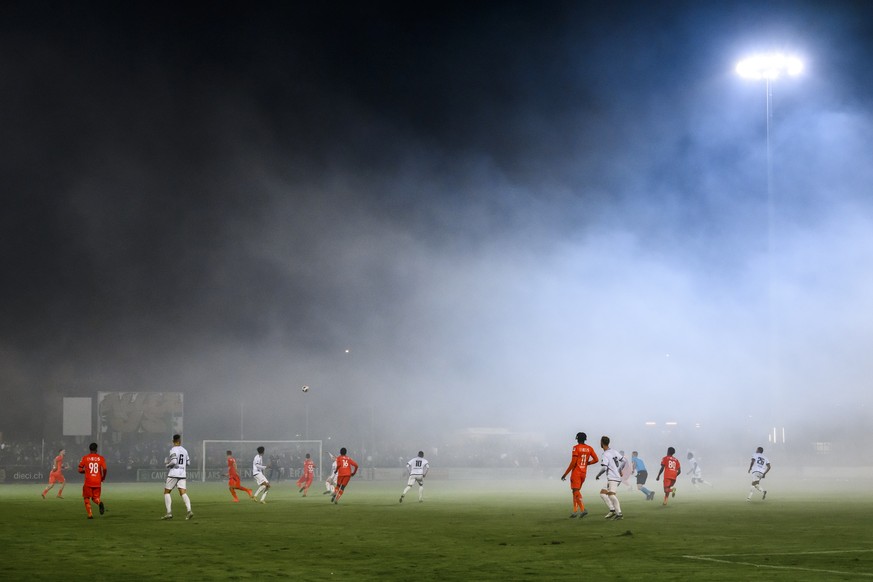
x=290 y=455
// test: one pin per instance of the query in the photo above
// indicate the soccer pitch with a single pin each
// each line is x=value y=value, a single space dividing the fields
x=465 y=530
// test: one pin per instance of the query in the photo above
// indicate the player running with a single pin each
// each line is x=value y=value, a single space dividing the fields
x=612 y=463
x=696 y=472
x=306 y=477
x=330 y=482
x=582 y=455
x=346 y=468
x=758 y=467
x=93 y=466
x=258 y=467
x=56 y=475
x=671 y=469
x=233 y=481
x=417 y=469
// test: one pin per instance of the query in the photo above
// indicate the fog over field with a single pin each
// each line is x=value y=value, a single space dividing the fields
x=457 y=225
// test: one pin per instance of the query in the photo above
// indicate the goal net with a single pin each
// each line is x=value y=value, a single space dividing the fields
x=284 y=459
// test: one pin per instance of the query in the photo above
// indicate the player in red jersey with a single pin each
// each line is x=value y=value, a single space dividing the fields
x=233 y=481
x=344 y=473
x=671 y=470
x=56 y=475
x=582 y=456
x=305 y=480
x=93 y=466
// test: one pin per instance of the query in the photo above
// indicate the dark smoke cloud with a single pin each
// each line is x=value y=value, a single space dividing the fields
x=510 y=216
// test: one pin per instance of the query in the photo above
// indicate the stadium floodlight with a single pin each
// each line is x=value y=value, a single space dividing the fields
x=769 y=66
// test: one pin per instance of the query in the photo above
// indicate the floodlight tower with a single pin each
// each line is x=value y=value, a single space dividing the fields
x=769 y=68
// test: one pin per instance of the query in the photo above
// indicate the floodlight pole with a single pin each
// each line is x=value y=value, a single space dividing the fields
x=771 y=205
x=769 y=68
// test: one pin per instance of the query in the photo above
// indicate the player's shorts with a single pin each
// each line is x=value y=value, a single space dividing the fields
x=641 y=477
x=305 y=480
x=576 y=479
x=612 y=486
x=668 y=483
x=342 y=480
x=89 y=492
x=233 y=481
x=56 y=478
x=173 y=482
x=413 y=479
x=757 y=475
x=261 y=479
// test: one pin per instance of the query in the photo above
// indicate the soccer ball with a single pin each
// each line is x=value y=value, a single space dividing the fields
x=304 y=388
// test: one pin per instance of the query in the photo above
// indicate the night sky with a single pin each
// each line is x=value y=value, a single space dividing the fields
x=540 y=216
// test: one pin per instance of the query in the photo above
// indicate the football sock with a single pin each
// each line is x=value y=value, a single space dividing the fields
x=264 y=496
x=606 y=500
x=88 y=506
x=260 y=490
x=405 y=490
x=615 y=504
x=168 y=502
x=187 y=501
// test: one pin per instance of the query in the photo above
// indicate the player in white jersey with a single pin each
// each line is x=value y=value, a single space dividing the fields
x=612 y=463
x=696 y=472
x=177 y=463
x=758 y=467
x=330 y=482
x=258 y=467
x=417 y=468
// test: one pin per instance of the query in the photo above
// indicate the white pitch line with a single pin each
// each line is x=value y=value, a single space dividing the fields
x=781 y=553
x=712 y=558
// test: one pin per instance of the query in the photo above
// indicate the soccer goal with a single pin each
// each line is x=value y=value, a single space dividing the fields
x=284 y=458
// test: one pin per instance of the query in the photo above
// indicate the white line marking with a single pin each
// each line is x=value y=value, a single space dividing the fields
x=717 y=558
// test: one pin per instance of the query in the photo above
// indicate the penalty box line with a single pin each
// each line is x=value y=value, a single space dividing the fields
x=720 y=558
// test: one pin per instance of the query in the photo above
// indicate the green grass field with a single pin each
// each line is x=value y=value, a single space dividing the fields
x=463 y=531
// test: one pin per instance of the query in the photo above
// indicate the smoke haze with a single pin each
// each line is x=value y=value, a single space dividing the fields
x=544 y=219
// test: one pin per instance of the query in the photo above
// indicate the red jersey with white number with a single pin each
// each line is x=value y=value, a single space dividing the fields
x=94 y=468
x=582 y=456
x=671 y=467
x=344 y=466
x=308 y=467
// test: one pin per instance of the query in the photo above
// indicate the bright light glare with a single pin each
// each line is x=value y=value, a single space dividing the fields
x=770 y=66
